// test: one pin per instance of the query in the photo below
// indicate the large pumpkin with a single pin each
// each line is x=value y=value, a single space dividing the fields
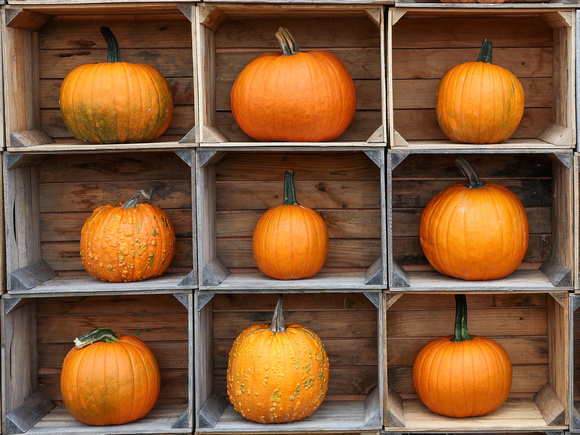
x=109 y=379
x=462 y=375
x=479 y=102
x=474 y=231
x=290 y=241
x=277 y=373
x=299 y=96
x=127 y=242
x=114 y=101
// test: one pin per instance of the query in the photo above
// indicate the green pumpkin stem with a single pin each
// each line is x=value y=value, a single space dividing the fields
x=486 y=52
x=461 y=333
x=113 y=52
x=473 y=181
x=106 y=335
x=289 y=189
x=278 y=318
x=287 y=42
x=135 y=198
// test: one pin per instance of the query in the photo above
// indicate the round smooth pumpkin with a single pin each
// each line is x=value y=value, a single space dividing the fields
x=290 y=241
x=109 y=379
x=114 y=101
x=299 y=96
x=127 y=242
x=479 y=102
x=474 y=231
x=462 y=375
x=277 y=373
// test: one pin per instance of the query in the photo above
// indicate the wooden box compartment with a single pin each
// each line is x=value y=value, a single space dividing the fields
x=230 y=36
x=542 y=181
x=43 y=43
x=37 y=333
x=349 y=325
x=537 y=45
x=236 y=187
x=48 y=197
x=531 y=327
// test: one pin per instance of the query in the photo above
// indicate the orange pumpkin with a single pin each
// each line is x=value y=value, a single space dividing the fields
x=114 y=101
x=297 y=96
x=109 y=379
x=277 y=373
x=290 y=241
x=462 y=376
x=127 y=242
x=478 y=102
x=474 y=231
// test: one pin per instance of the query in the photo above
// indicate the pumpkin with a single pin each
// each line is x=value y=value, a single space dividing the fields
x=479 y=102
x=277 y=373
x=114 y=101
x=299 y=96
x=474 y=231
x=127 y=241
x=109 y=379
x=290 y=241
x=462 y=375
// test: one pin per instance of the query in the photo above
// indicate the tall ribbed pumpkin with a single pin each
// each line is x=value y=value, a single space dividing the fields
x=109 y=379
x=290 y=241
x=479 y=102
x=128 y=241
x=462 y=375
x=277 y=373
x=114 y=101
x=299 y=96
x=474 y=231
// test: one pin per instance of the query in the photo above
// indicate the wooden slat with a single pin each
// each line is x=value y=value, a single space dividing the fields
x=294 y=302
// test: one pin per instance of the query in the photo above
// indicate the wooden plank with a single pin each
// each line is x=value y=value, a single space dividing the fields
x=21 y=419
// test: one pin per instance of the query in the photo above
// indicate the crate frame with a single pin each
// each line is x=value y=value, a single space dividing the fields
x=555 y=274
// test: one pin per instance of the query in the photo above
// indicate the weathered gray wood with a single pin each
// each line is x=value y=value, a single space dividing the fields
x=559 y=274
x=21 y=419
x=375 y=298
x=565 y=158
x=372 y=408
x=184 y=298
x=211 y=411
x=183 y=422
x=188 y=10
x=550 y=406
x=203 y=299
x=21 y=139
x=190 y=280
x=397 y=158
x=209 y=157
x=190 y=137
x=395 y=414
x=398 y=276
x=378 y=136
x=376 y=156
x=214 y=273
x=185 y=155
x=31 y=276
x=375 y=274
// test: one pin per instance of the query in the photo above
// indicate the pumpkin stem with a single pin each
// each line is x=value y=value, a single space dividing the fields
x=135 y=198
x=473 y=181
x=289 y=189
x=287 y=42
x=486 y=52
x=278 y=318
x=113 y=52
x=105 y=335
x=461 y=333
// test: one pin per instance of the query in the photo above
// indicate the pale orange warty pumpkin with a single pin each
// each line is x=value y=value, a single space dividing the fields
x=478 y=102
x=277 y=373
x=114 y=101
x=109 y=379
x=462 y=376
x=127 y=242
x=474 y=231
x=299 y=96
x=290 y=241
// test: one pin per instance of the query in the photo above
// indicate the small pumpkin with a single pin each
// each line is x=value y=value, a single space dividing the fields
x=109 y=379
x=277 y=373
x=479 y=102
x=114 y=101
x=290 y=241
x=462 y=375
x=474 y=231
x=299 y=96
x=128 y=241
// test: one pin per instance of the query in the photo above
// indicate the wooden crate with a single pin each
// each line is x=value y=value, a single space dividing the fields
x=236 y=187
x=37 y=333
x=50 y=196
x=350 y=326
x=43 y=43
x=532 y=328
x=353 y=33
x=537 y=45
x=574 y=363
x=576 y=203
x=542 y=181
